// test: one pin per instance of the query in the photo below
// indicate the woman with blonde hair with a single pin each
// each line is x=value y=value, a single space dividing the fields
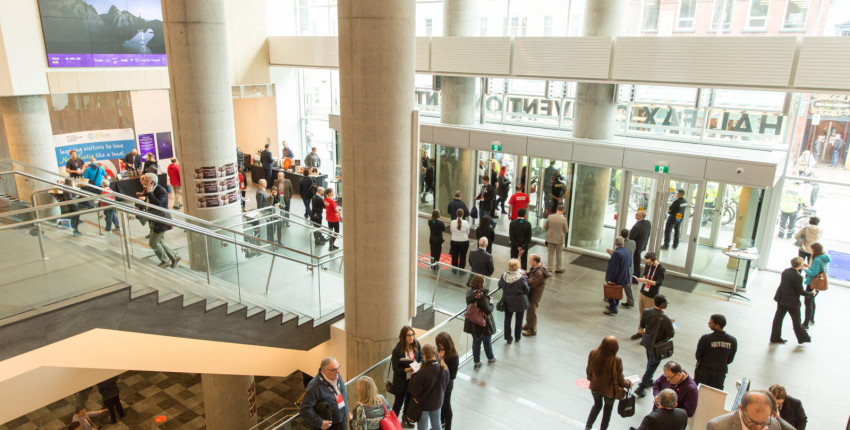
x=428 y=386
x=515 y=290
x=371 y=407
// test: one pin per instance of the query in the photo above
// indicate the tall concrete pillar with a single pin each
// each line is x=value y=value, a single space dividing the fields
x=29 y=136
x=376 y=73
x=456 y=166
x=594 y=119
x=201 y=106
x=229 y=401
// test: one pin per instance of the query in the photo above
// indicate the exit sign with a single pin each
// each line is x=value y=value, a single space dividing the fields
x=496 y=147
x=661 y=169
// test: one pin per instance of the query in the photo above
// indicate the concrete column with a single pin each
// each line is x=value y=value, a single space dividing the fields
x=29 y=136
x=229 y=401
x=376 y=73
x=201 y=106
x=591 y=197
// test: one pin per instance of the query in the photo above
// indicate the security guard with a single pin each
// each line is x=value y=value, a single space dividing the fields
x=792 y=201
x=675 y=214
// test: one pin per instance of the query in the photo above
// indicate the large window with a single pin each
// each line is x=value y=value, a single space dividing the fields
x=795 y=15
x=687 y=13
x=721 y=16
x=757 y=15
x=651 y=8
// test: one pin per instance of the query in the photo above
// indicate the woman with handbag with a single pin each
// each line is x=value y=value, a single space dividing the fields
x=406 y=351
x=477 y=296
x=371 y=407
x=605 y=373
x=427 y=388
x=806 y=237
x=435 y=239
x=447 y=352
x=459 y=245
x=515 y=290
x=820 y=264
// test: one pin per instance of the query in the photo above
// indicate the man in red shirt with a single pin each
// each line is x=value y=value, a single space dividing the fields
x=174 y=180
x=519 y=200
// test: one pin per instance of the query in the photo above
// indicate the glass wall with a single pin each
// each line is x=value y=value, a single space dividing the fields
x=320 y=97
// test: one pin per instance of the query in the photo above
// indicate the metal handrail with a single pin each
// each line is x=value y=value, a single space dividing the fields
x=313 y=228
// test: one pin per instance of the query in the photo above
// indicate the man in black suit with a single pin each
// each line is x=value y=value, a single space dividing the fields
x=657 y=327
x=640 y=234
x=519 y=233
x=132 y=160
x=667 y=416
x=480 y=261
x=486 y=198
x=267 y=160
x=788 y=301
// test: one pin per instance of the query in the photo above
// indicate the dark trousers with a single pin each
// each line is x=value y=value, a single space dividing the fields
x=476 y=348
x=779 y=317
x=806 y=256
x=651 y=367
x=673 y=225
x=598 y=400
x=523 y=259
x=269 y=178
x=636 y=263
x=501 y=201
x=306 y=201
x=436 y=253
x=709 y=377
x=318 y=237
x=810 y=309
x=613 y=303
x=401 y=398
x=458 y=251
x=243 y=198
x=517 y=331
x=446 y=411
x=787 y=220
x=114 y=407
x=276 y=230
x=335 y=227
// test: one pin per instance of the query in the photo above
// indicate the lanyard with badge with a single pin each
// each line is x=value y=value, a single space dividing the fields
x=340 y=401
x=649 y=277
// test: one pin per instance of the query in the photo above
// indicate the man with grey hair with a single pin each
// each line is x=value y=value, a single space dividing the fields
x=753 y=414
x=640 y=234
x=324 y=405
x=617 y=272
x=666 y=416
x=480 y=261
x=156 y=195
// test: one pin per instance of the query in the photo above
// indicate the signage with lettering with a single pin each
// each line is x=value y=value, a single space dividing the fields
x=831 y=105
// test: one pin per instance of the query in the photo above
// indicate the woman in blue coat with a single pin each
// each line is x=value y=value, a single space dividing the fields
x=820 y=263
x=515 y=290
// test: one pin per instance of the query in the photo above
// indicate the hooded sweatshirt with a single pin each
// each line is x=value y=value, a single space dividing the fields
x=819 y=264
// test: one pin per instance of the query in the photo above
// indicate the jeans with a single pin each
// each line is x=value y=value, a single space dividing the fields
x=673 y=225
x=598 y=399
x=612 y=303
x=651 y=367
x=488 y=348
x=429 y=416
x=501 y=201
x=836 y=155
x=111 y=218
x=286 y=206
x=517 y=333
x=306 y=201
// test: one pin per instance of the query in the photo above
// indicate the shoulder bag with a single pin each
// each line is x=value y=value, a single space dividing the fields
x=662 y=350
x=390 y=385
x=799 y=242
x=475 y=314
x=613 y=291
x=390 y=420
x=819 y=282
x=474 y=212
x=412 y=410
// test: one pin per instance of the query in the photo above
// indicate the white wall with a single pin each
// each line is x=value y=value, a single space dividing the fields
x=288 y=107
x=22 y=56
x=152 y=114
x=248 y=42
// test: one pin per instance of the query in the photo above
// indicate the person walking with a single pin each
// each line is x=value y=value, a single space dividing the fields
x=370 y=408
x=156 y=195
x=503 y=188
x=428 y=387
x=675 y=215
x=556 y=192
x=665 y=414
x=640 y=234
x=111 y=395
x=820 y=264
x=650 y=284
x=109 y=213
x=478 y=295
x=617 y=272
x=556 y=233
x=447 y=352
x=485 y=230
x=658 y=328
x=306 y=189
x=459 y=244
x=715 y=351
x=406 y=351
x=435 y=238
x=174 y=180
x=519 y=233
x=515 y=290
x=605 y=372
x=537 y=276
x=788 y=301
x=333 y=214
x=326 y=389
x=807 y=236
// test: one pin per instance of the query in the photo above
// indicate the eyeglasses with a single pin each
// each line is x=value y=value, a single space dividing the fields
x=410 y=334
x=752 y=424
x=336 y=370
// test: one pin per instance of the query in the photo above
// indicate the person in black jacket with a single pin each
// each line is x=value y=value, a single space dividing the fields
x=320 y=408
x=306 y=189
x=132 y=160
x=456 y=204
x=640 y=234
x=428 y=387
x=658 y=327
x=317 y=208
x=480 y=261
x=406 y=351
x=667 y=416
x=478 y=295
x=485 y=229
x=515 y=290
x=447 y=352
x=486 y=198
x=650 y=284
x=790 y=409
x=436 y=239
x=788 y=301
x=675 y=215
x=714 y=353
x=111 y=398
x=503 y=188
x=267 y=160
x=157 y=195
x=519 y=233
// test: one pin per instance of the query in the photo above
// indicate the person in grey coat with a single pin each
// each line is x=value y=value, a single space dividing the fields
x=754 y=413
x=515 y=290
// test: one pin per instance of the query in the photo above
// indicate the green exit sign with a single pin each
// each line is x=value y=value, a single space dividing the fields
x=661 y=169
x=496 y=147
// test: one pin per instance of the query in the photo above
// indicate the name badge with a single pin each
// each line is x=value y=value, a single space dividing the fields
x=646 y=287
x=340 y=402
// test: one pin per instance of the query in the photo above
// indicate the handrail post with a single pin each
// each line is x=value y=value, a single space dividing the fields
x=436 y=283
x=207 y=255
x=38 y=228
x=269 y=279
x=125 y=241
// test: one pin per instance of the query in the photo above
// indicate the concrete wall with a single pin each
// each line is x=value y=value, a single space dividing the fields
x=255 y=119
x=248 y=40
x=22 y=57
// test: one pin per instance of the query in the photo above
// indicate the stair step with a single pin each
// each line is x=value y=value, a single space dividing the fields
x=166 y=296
x=235 y=307
x=191 y=299
x=135 y=293
x=214 y=303
x=271 y=314
x=254 y=310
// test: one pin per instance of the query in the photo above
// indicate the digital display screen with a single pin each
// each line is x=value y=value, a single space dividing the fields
x=103 y=33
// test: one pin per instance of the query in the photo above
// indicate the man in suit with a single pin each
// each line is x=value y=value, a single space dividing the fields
x=788 y=301
x=790 y=409
x=519 y=233
x=640 y=234
x=317 y=209
x=132 y=160
x=617 y=272
x=754 y=414
x=306 y=189
x=264 y=199
x=657 y=327
x=284 y=190
x=267 y=160
x=486 y=198
x=480 y=261
x=457 y=203
x=556 y=233
x=667 y=416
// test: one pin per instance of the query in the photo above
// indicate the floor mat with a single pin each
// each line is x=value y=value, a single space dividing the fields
x=590 y=262
x=676 y=283
x=680 y=284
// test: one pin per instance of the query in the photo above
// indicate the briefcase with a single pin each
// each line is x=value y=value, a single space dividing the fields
x=663 y=349
x=613 y=291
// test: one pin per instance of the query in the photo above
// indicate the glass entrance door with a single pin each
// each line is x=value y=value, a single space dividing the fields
x=675 y=226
